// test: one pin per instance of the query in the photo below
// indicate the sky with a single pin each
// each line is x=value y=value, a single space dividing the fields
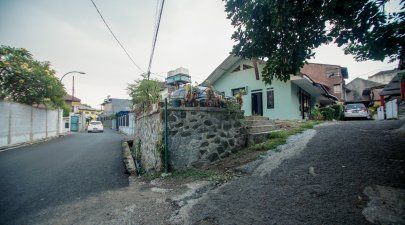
x=193 y=34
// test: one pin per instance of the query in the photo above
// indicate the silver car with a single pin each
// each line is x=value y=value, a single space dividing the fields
x=356 y=110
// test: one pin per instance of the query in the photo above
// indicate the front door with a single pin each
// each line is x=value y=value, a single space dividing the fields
x=74 y=123
x=257 y=103
x=305 y=104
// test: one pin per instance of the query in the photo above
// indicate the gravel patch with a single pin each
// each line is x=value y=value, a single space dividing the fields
x=320 y=181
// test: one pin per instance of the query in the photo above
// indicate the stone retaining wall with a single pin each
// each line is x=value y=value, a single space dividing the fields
x=148 y=130
x=202 y=135
x=197 y=136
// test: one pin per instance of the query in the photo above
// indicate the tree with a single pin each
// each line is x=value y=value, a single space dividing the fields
x=285 y=32
x=28 y=81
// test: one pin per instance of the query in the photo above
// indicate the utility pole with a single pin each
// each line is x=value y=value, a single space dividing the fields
x=73 y=93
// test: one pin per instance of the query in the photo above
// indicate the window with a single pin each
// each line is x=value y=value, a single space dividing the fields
x=246 y=67
x=337 y=88
x=236 y=69
x=236 y=90
x=87 y=112
x=270 y=98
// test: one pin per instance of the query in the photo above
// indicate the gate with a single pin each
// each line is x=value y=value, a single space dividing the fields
x=74 y=123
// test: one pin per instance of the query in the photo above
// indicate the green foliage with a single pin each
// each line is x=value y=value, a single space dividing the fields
x=195 y=174
x=327 y=113
x=308 y=126
x=316 y=114
x=231 y=106
x=26 y=80
x=286 y=32
x=338 y=112
x=280 y=137
x=401 y=76
x=66 y=110
x=374 y=107
x=145 y=92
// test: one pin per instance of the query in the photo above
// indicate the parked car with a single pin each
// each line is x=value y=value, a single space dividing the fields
x=356 y=110
x=95 y=126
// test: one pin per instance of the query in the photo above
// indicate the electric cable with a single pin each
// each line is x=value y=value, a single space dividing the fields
x=112 y=33
x=155 y=38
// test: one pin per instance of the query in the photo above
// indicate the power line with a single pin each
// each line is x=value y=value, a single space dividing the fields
x=155 y=38
x=112 y=33
x=377 y=70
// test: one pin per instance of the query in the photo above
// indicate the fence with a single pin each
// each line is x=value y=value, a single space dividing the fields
x=126 y=124
x=23 y=123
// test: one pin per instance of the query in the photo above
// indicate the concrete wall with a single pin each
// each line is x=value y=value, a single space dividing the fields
x=197 y=136
x=22 y=123
x=116 y=105
x=383 y=78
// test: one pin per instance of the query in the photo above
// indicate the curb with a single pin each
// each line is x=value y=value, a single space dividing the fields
x=128 y=160
x=23 y=144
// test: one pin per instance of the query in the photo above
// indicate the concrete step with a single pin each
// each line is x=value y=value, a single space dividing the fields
x=256 y=118
x=257 y=138
x=261 y=128
x=259 y=122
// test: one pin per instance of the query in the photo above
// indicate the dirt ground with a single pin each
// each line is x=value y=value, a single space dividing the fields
x=146 y=200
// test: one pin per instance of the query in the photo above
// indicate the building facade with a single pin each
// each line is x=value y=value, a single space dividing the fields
x=384 y=77
x=293 y=99
x=332 y=77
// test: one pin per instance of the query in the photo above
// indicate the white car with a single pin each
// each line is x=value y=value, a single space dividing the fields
x=356 y=110
x=95 y=126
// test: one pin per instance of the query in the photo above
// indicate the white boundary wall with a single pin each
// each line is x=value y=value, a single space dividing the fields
x=122 y=124
x=23 y=123
x=392 y=109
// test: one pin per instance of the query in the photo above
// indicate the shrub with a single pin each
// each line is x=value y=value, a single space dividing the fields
x=338 y=112
x=316 y=114
x=327 y=113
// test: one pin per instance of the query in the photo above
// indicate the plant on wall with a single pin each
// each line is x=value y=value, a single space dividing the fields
x=144 y=92
x=239 y=96
x=211 y=98
x=190 y=98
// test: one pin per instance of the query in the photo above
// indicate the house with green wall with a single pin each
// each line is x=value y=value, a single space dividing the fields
x=289 y=100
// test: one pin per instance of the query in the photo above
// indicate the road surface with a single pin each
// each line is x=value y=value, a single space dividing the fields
x=70 y=168
x=323 y=184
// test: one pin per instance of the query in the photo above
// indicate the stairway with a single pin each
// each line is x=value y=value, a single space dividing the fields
x=259 y=129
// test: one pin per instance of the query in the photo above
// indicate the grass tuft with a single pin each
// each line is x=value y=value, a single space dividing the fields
x=194 y=174
x=280 y=137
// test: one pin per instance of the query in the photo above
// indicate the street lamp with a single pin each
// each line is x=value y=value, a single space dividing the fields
x=73 y=88
x=70 y=73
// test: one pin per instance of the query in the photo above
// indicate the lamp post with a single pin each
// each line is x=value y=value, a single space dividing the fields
x=70 y=73
x=73 y=88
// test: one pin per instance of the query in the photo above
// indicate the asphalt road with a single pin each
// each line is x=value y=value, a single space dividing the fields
x=346 y=157
x=62 y=170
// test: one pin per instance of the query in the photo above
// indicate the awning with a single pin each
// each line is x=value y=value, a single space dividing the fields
x=315 y=89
